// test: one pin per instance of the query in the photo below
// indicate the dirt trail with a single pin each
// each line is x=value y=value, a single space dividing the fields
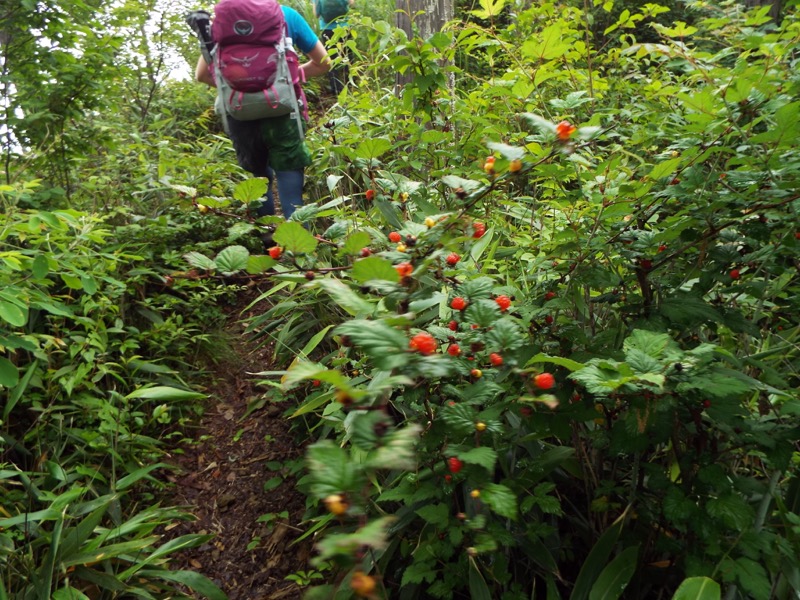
x=237 y=481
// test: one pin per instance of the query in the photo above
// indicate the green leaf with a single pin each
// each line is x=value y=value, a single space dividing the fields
x=356 y=241
x=596 y=561
x=199 y=261
x=482 y=456
x=163 y=393
x=13 y=314
x=9 y=375
x=550 y=44
x=732 y=510
x=293 y=237
x=372 y=268
x=664 y=169
x=650 y=343
x=468 y=185
x=345 y=298
x=372 y=535
x=501 y=499
x=508 y=152
x=698 y=588
x=489 y=9
x=435 y=514
x=616 y=576
x=482 y=312
x=398 y=449
x=478 y=590
x=373 y=147
x=249 y=190
x=259 y=264
x=40 y=267
x=331 y=470
x=194 y=581
x=232 y=260
x=570 y=365
x=386 y=346
x=69 y=593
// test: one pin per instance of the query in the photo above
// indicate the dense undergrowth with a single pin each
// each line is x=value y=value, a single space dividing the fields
x=542 y=325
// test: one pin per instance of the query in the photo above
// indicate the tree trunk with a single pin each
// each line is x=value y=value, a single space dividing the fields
x=774 y=12
x=427 y=17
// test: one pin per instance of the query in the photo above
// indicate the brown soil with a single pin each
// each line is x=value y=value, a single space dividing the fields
x=222 y=481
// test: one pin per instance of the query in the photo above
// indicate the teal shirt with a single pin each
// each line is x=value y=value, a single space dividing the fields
x=323 y=25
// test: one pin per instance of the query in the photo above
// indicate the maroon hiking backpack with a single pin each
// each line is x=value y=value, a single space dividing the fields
x=255 y=67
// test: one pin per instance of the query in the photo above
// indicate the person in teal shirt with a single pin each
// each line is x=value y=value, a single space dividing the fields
x=340 y=74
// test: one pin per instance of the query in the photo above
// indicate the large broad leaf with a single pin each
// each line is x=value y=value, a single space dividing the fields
x=478 y=590
x=249 y=190
x=616 y=576
x=293 y=237
x=200 y=261
x=548 y=45
x=374 y=268
x=483 y=456
x=397 y=450
x=373 y=147
x=468 y=185
x=232 y=260
x=355 y=242
x=698 y=588
x=332 y=470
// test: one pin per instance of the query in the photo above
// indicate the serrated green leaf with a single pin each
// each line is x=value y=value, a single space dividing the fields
x=435 y=514
x=468 y=185
x=732 y=510
x=232 y=259
x=386 y=346
x=664 y=169
x=482 y=312
x=249 y=190
x=199 y=261
x=505 y=335
x=549 y=44
x=649 y=342
x=397 y=450
x=373 y=535
x=295 y=238
x=374 y=268
x=356 y=241
x=481 y=456
x=508 y=152
x=373 y=147
x=259 y=264
x=500 y=499
x=570 y=365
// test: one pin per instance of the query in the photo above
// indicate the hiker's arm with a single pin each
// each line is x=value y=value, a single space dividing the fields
x=202 y=73
x=320 y=62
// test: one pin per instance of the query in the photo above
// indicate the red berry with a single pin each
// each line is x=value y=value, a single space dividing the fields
x=706 y=403
x=452 y=326
x=503 y=302
x=549 y=295
x=404 y=269
x=548 y=319
x=424 y=343
x=544 y=381
x=316 y=383
x=478 y=229
x=454 y=464
x=734 y=274
x=370 y=194
x=646 y=264
x=395 y=237
x=797 y=235
x=366 y=252
x=661 y=248
x=275 y=252
x=526 y=411
x=453 y=350
x=448 y=478
x=453 y=258
x=495 y=359
x=458 y=303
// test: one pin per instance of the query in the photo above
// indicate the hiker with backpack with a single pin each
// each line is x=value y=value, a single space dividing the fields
x=247 y=53
x=331 y=15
